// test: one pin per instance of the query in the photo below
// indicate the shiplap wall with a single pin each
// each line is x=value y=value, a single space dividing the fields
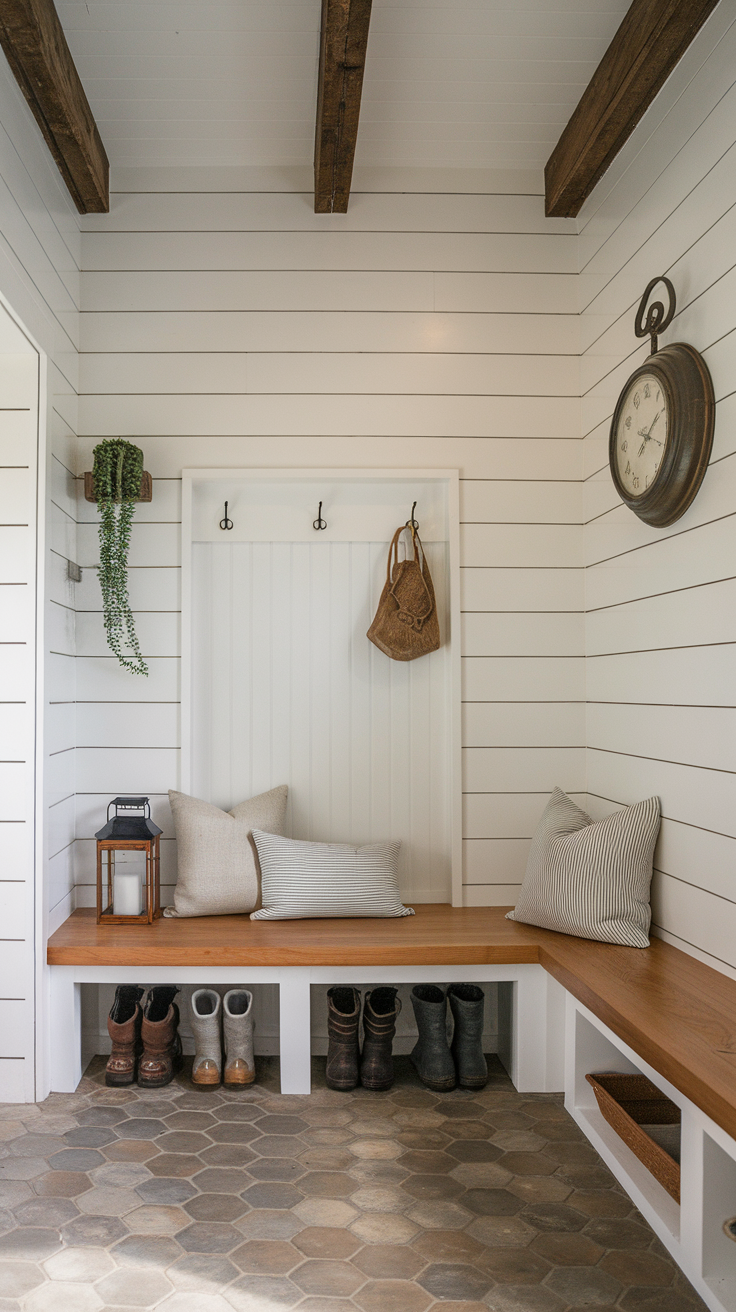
x=39 y=280
x=19 y=431
x=231 y=326
x=660 y=602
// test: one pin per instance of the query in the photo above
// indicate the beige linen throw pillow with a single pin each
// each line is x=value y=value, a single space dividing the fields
x=217 y=861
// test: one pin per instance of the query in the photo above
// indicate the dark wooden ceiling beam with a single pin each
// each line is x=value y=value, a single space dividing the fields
x=36 y=49
x=651 y=40
x=343 y=48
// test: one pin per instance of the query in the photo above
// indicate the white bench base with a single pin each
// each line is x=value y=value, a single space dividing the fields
x=533 y=1034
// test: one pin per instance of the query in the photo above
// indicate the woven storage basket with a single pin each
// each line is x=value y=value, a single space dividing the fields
x=631 y=1102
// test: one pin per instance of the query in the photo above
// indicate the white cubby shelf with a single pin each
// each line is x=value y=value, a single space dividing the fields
x=693 y=1231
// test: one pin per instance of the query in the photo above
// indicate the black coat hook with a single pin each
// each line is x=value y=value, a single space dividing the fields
x=226 y=523
x=411 y=522
x=319 y=522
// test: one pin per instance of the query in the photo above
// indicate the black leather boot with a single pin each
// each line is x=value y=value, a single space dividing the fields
x=343 y=1017
x=431 y=1056
x=466 y=1004
x=380 y=1010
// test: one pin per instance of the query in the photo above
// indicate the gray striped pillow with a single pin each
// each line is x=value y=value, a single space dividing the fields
x=591 y=879
x=300 y=880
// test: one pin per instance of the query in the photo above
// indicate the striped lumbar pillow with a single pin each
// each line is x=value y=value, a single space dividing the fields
x=326 y=879
x=591 y=879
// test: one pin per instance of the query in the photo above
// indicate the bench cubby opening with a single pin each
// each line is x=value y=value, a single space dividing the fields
x=719 y=1205
x=592 y=1049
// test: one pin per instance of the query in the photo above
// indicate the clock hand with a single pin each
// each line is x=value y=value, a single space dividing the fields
x=645 y=432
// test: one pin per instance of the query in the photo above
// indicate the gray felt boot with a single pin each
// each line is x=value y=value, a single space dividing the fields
x=205 y=1009
x=237 y=1034
x=466 y=1004
x=431 y=1055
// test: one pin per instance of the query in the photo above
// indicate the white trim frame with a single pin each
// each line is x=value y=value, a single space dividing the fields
x=451 y=478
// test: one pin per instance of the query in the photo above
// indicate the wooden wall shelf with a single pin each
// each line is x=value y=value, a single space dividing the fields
x=146 y=492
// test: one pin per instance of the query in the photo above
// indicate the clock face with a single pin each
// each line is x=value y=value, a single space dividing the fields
x=641 y=434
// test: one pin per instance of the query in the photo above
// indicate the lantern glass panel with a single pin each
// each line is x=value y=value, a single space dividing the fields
x=128 y=883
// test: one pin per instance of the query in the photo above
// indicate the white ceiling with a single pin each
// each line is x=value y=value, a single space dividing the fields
x=448 y=83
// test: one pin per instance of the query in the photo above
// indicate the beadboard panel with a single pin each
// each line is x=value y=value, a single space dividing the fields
x=287 y=689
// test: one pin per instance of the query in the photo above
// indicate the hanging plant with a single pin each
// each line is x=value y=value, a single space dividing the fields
x=117 y=471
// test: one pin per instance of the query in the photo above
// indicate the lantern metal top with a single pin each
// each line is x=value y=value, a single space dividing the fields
x=128 y=825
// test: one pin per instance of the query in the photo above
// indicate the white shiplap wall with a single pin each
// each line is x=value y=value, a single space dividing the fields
x=19 y=461
x=660 y=602
x=230 y=325
x=39 y=281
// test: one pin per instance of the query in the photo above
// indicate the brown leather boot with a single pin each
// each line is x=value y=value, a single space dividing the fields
x=343 y=1016
x=124 y=1028
x=380 y=1011
x=162 y=1056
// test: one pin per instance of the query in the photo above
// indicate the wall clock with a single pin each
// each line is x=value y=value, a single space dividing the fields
x=662 y=427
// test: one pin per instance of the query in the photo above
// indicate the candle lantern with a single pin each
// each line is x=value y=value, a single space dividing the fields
x=128 y=865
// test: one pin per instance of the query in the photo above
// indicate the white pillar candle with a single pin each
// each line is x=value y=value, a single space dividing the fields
x=126 y=893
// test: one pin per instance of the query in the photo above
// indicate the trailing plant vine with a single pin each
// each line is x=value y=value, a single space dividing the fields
x=117 y=471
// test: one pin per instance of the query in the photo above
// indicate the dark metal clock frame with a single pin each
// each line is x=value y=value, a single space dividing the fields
x=684 y=378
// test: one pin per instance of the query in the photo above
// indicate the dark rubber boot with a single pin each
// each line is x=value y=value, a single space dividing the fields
x=124 y=1028
x=343 y=1016
x=466 y=1004
x=160 y=1034
x=380 y=1011
x=431 y=1055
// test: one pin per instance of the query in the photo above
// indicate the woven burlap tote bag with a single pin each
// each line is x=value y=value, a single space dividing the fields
x=406 y=624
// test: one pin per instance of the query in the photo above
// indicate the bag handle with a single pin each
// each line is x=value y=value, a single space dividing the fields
x=394 y=551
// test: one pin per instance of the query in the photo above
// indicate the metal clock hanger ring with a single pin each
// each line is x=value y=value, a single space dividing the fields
x=656 y=320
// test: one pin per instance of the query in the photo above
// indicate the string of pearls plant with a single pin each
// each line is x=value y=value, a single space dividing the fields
x=117 y=471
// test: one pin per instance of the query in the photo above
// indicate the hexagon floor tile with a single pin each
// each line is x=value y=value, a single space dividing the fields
x=406 y=1201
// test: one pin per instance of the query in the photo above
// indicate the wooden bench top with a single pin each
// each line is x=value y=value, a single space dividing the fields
x=676 y=1012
